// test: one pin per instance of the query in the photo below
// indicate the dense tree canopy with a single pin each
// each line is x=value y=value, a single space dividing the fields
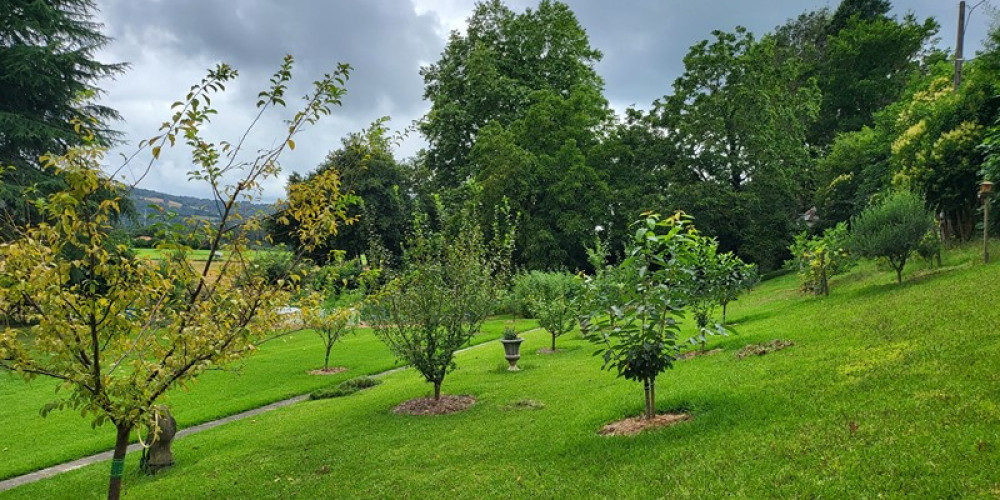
x=738 y=118
x=515 y=105
x=379 y=189
x=48 y=77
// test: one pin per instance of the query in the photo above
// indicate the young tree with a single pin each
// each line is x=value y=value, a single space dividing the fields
x=120 y=332
x=331 y=323
x=892 y=228
x=49 y=76
x=635 y=324
x=450 y=282
x=737 y=278
x=816 y=259
x=703 y=286
x=552 y=301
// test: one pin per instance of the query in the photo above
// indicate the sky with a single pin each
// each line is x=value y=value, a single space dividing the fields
x=170 y=44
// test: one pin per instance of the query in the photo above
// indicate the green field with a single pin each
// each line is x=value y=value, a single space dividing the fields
x=889 y=391
x=192 y=255
x=278 y=371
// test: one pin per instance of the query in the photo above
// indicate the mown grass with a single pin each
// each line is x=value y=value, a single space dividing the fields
x=278 y=371
x=888 y=391
x=192 y=255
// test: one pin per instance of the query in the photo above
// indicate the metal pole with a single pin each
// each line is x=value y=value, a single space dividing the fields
x=959 y=45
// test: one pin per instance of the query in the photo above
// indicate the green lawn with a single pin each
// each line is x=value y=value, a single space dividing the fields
x=193 y=255
x=888 y=391
x=279 y=370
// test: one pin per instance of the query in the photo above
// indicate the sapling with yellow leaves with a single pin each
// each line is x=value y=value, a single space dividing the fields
x=120 y=332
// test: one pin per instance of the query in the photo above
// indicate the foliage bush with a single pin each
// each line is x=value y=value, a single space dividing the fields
x=817 y=258
x=892 y=229
x=345 y=388
x=277 y=265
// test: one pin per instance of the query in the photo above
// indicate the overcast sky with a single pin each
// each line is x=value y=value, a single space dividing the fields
x=171 y=43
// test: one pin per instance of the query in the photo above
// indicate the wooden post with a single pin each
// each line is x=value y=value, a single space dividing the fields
x=985 y=190
x=986 y=229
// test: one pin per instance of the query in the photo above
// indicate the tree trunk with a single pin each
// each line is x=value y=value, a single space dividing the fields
x=645 y=389
x=437 y=390
x=326 y=359
x=652 y=397
x=553 y=343
x=899 y=275
x=824 y=287
x=724 y=304
x=118 y=462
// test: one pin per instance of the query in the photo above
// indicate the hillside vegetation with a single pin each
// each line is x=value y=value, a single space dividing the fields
x=889 y=390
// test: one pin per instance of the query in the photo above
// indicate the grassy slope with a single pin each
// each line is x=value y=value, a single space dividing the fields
x=29 y=442
x=913 y=367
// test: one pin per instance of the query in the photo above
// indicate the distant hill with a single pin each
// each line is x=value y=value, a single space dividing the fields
x=186 y=206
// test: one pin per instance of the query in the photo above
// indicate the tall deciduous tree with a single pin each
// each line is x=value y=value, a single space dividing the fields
x=48 y=77
x=120 y=332
x=737 y=119
x=378 y=185
x=491 y=73
x=861 y=57
x=515 y=105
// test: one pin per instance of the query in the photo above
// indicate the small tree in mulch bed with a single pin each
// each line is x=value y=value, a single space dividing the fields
x=452 y=278
x=331 y=309
x=330 y=323
x=635 y=321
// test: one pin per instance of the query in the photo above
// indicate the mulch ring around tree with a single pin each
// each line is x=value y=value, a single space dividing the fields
x=698 y=352
x=762 y=349
x=634 y=425
x=333 y=370
x=431 y=406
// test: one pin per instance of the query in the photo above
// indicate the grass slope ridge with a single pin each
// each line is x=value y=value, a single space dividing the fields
x=888 y=391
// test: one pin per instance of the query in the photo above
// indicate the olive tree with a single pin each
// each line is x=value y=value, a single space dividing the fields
x=892 y=229
x=452 y=278
x=120 y=332
x=634 y=321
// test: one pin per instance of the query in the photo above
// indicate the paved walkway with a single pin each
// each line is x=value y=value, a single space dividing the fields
x=100 y=457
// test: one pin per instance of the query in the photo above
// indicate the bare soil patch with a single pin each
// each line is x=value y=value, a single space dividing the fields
x=546 y=350
x=699 y=352
x=634 y=425
x=762 y=349
x=333 y=370
x=431 y=406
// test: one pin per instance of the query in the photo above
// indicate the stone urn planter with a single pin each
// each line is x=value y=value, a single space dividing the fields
x=512 y=352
